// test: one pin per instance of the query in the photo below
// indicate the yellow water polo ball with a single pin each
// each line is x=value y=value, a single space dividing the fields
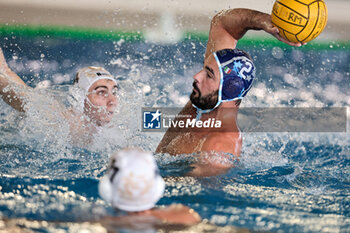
x=299 y=20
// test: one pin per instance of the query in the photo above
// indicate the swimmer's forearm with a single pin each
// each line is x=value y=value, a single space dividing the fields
x=8 y=73
x=9 y=81
x=14 y=77
x=227 y=27
x=9 y=95
x=238 y=21
x=12 y=88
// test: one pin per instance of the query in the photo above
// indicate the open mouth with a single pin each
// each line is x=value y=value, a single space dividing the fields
x=195 y=87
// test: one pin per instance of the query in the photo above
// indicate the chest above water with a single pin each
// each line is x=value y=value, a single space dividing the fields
x=186 y=143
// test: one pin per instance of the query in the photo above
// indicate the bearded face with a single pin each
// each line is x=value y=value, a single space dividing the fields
x=203 y=102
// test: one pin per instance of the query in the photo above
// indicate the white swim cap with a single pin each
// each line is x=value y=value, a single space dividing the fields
x=87 y=76
x=132 y=181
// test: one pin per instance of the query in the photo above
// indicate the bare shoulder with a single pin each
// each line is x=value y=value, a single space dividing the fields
x=229 y=142
x=173 y=132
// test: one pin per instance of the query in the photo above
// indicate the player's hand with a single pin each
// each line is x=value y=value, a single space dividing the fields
x=275 y=32
x=268 y=27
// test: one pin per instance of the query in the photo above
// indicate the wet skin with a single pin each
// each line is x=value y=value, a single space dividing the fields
x=206 y=85
x=102 y=101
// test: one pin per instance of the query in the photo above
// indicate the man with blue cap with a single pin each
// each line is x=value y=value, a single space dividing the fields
x=226 y=77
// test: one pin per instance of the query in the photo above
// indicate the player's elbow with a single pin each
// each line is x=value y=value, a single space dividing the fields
x=217 y=18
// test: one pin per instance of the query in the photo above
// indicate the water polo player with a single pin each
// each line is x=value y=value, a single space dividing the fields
x=218 y=89
x=98 y=96
x=100 y=93
x=133 y=186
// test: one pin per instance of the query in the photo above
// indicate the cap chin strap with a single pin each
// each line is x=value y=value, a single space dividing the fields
x=102 y=108
x=200 y=111
x=89 y=101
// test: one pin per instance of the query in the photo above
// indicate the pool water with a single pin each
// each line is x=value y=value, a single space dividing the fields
x=284 y=182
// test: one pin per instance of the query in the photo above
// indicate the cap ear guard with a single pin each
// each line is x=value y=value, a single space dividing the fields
x=237 y=73
x=231 y=88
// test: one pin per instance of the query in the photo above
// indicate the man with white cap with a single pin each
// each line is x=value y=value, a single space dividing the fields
x=99 y=97
x=133 y=184
x=100 y=89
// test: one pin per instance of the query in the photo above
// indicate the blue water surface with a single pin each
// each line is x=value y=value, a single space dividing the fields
x=283 y=182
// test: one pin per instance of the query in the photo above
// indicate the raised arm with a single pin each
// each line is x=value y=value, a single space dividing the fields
x=14 y=94
x=227 y=27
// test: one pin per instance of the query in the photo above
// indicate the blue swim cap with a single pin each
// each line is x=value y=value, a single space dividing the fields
x=237 y=72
